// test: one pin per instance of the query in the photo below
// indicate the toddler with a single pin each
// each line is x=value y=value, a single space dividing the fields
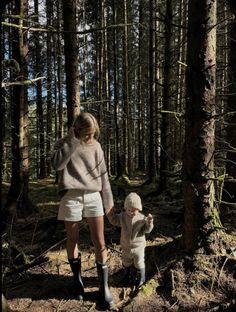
x=133 y=225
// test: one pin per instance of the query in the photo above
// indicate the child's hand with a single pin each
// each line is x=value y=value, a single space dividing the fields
x=149 y=218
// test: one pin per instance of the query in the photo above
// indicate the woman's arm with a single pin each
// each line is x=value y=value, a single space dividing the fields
x=62 y=151
x=114 y=218
x=106 y=191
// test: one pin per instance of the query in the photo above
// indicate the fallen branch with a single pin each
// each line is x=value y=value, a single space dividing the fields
x=36 y=261
x=25 y=267
x=113 y=249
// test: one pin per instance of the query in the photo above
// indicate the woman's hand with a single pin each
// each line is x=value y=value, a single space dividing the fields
x=108 y=210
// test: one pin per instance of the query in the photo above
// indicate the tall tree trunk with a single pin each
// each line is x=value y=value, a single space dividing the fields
x=49 y=9
x=152 y=171
x=2 y=109
x=165 y=124
x=126 y=120
x=59 y=74
x=18 y=192
x=198 y=156
x=71 y=60
x=158 y=76
x=39 y=99
x=180 y=103
x=85 y=54
x=101 y=60
x=107 y=94
x=229 y=187
x=116 y=118
x=140 y=138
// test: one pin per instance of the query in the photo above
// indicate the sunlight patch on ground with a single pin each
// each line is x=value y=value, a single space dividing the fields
x=47 y=204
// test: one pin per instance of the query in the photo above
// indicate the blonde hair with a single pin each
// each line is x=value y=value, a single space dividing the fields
x=84 y=121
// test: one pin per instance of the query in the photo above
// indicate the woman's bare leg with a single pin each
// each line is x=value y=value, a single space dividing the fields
x=96 y=226
x=72 y=233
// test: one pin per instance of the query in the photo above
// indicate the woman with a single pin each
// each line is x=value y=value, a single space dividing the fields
x=85 y=189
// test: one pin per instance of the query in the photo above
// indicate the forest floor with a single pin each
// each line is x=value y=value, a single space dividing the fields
x=173 y=282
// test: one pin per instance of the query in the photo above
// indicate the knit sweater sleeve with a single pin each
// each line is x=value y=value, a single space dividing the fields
x=114 y=218
x=62 y=151
x=107 y=196
x=148 y=226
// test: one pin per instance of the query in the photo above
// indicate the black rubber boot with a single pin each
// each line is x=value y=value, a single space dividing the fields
x=75 y=265
x=107 y=298
x=140 y=278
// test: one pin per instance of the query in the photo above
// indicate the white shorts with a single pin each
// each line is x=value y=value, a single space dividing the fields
x=77 y=204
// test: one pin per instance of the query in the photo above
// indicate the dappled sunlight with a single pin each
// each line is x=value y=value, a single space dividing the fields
x=49 y=204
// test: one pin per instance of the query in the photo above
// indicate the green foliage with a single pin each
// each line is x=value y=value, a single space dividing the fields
x=149 y=288
x=124 y=180
x=11 y=64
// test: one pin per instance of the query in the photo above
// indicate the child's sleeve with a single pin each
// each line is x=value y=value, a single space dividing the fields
x=148 y=226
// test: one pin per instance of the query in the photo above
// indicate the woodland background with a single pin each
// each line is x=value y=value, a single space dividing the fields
x=160 y=76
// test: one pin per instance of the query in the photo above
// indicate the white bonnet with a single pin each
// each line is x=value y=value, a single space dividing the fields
x=133 y=200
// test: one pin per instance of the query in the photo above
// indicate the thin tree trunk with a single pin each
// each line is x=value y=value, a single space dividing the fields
x=107 y=92
x=49 y=10
x=71 y=60
x=126 y=120
x=39 y=99
x=2 y=110
x=230 y=185
x=59 y=74
x=181 y=81
x=116 y=118
x=140 y=138
x=18 y=192
x=165 y=124
x=152 y=172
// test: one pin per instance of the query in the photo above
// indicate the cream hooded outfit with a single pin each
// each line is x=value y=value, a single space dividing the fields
x=133 y=229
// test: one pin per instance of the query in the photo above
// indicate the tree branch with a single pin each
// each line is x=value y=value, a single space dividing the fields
x=21 y=83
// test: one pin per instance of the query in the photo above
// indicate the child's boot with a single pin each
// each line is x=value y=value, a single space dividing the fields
x=140 y=278
x=107 y=298
x=75 y=265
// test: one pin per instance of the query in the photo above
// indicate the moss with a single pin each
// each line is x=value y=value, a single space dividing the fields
x=124 y=179
x=12 y=64
x=149 y=288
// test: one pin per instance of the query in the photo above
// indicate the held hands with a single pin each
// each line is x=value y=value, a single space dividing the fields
x=149 y=218
x=108 y=210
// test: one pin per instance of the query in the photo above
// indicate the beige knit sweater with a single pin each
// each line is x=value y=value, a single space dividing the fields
x=81 y=166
